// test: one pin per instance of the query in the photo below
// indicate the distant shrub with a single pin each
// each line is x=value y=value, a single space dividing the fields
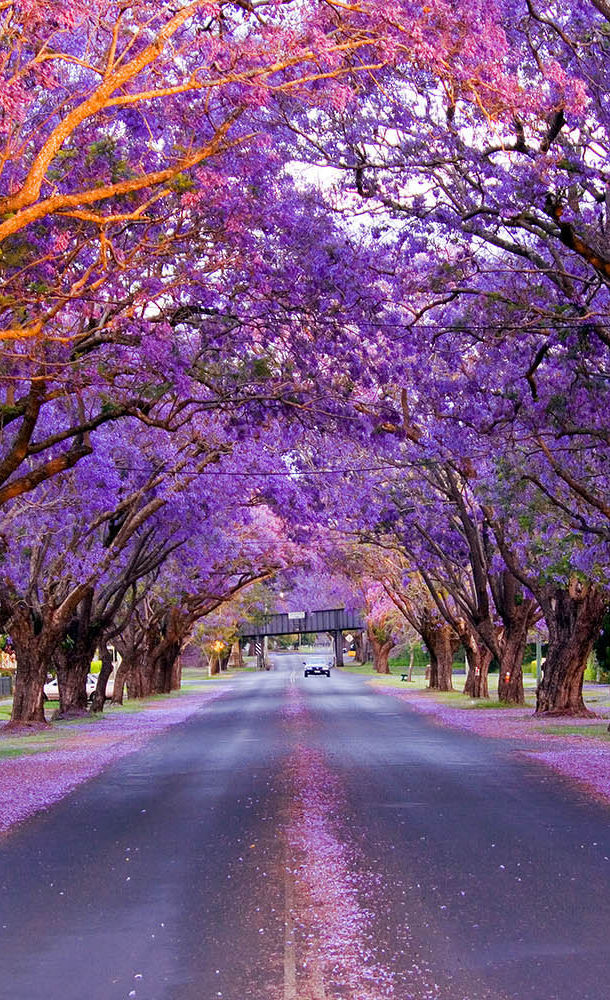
x=596 y=672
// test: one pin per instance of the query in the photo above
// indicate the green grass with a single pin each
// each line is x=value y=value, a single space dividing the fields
x=28 y=743
x=393 y=680
x=20 y=751
x=66 y=723
x=358 y=668
x=494 y=703
x=418 y=682
x=595 y=730
x=597 y=699
x=459 y=700
x=419 y=663
x=454 y=698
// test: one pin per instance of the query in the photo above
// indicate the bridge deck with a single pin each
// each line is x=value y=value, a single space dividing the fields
x=332 y=620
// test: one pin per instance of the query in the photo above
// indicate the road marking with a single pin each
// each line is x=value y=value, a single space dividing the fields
x=317 y=976
x=290 y=964
x=313 y=987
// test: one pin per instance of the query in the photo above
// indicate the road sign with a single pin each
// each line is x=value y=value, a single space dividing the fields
x=349 y=637
x=294 y=616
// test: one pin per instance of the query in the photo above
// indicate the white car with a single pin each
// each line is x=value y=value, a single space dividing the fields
x=317 y=665
x=51 y=688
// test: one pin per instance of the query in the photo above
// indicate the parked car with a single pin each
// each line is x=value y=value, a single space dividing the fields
x=51 y=688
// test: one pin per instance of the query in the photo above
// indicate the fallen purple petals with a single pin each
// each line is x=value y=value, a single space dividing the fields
x=332 y=887
x=579 y=757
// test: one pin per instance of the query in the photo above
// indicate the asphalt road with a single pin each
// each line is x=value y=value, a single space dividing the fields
x=309 y=839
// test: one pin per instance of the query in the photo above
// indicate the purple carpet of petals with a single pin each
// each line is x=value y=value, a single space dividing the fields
x=333 y=925
x=573 y=755
x=35 y=781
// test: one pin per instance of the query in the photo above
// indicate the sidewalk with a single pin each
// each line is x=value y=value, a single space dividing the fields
x=39 y=769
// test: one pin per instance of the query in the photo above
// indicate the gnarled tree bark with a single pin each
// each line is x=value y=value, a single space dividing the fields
x=381 y=651
x=99 y=695
x=33 y=645
x=35 y=635
x=513 y=643
x=574 y=618
x=441 y=641
x=478 y=658
x=72 y=660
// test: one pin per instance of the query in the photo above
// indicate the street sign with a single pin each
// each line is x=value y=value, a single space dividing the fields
x=294 y=616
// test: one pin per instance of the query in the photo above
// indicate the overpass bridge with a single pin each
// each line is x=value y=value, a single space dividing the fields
x=335 y=621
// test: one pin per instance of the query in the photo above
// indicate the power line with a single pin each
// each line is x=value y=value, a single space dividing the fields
x=251 y=474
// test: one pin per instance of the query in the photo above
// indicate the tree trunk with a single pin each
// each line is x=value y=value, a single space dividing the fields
x=155 y=673
x=176 y=674
x=33 y=643
x=574 y=618
x=477 y=680
x=163 y=675
x=139 y=680
x=99 y=696
x=162 y=666
x=28 y=694
x=72 y=668
x=145 y=675
x=478 y=660
x=518 y=614
x=510 y=681
x=72 y=659
x=441 y=641
x=122 y=675
x=432 y=671
x=381 y=655
x=362 y=644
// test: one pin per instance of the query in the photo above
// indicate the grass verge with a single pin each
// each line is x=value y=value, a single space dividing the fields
x=41 y=740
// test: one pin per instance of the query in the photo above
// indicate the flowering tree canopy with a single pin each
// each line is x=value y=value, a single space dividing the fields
x=316 y=275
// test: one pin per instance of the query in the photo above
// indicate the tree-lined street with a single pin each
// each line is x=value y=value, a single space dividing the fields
x=304 y=307
x=310 y=838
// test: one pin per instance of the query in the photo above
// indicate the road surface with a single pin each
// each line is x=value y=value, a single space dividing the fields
x=310 y=839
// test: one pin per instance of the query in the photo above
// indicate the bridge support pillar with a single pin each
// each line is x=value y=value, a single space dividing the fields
x=338 y=640
x=260 y=654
